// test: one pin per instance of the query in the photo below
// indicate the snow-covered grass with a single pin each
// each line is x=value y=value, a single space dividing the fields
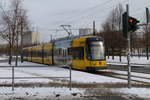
x=134 y=60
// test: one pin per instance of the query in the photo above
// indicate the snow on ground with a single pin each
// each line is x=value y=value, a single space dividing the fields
x=3 y=57
x=52 y=71
x=140 y=92
x=22 y=64
x=132 y=73
x=7 y=72
x=134 y=60
x=39 y=93
x=46 y=71
x=136 y=76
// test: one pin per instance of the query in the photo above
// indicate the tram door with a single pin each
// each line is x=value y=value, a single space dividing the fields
x=78 y=58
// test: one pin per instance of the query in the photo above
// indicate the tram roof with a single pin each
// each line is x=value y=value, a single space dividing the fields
x=75 y=37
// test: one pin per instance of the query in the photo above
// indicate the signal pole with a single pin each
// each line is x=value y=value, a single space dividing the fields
x=129 y=24
x=129 y=50
x=147 y=22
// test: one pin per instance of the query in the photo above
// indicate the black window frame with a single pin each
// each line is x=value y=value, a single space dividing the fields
x=77 y=53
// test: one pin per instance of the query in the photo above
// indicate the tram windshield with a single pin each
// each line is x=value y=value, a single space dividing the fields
x=96 y=50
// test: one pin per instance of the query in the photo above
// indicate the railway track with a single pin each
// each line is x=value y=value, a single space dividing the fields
x=139 y=68
x=134 y=78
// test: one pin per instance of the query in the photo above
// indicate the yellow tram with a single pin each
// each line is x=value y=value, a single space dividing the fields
x=82 y=53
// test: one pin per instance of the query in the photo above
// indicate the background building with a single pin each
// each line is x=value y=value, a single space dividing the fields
x=85 y=31
x=30 y=38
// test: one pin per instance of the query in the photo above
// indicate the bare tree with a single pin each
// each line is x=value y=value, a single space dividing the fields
x=146 y=31
x=114 y=20
x=112 y=28
x=14 y=23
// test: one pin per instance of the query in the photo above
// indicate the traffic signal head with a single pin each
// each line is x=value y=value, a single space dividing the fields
x=132 y=24
x=125 y=25
x=128 y=24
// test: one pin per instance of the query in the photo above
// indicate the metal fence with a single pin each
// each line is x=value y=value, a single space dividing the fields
x=13 y=76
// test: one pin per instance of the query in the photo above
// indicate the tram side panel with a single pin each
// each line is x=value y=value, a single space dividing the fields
x=78 y=54
x=61 y=52
x=37 y=54
x=47 y=54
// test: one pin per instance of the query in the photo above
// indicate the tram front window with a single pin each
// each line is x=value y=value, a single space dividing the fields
x=96 y=50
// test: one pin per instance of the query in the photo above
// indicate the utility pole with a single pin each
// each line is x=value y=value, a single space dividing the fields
x=70 y=68
x=51 y=38
x=21 y=39
x=94 y=33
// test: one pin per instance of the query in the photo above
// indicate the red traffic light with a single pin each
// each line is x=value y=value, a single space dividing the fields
x=131 y=20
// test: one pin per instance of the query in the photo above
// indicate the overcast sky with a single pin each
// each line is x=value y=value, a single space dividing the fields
x=46 y=15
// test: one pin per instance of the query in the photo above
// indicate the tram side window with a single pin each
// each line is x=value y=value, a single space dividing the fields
x=45 y=53
x=33 y=53
x=25 y=53
x=29 y=53
x=77 y=52
x=48 y=53
x=39 y=53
